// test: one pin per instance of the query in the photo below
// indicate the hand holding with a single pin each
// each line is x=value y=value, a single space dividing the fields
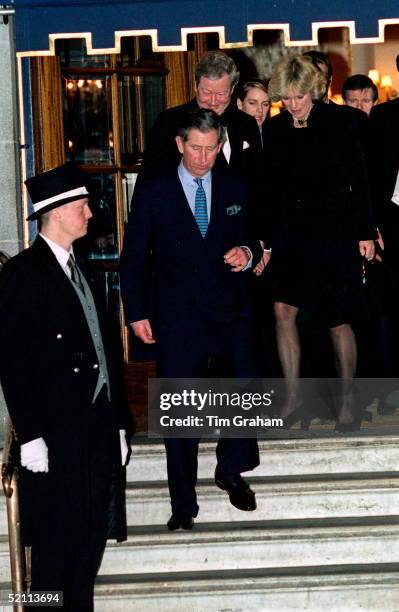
x=142 y=329
x=261 y=265
x=380 y=243
x=367 y=249
x=237 y=258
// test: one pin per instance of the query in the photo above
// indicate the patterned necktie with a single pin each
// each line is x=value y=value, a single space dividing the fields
x=201 y=211
x=75 y=276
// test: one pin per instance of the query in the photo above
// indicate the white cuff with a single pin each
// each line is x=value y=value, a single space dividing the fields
x=124 y=446
x=249 y=253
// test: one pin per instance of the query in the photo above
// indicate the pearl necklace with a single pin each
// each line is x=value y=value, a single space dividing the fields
x=302 y=123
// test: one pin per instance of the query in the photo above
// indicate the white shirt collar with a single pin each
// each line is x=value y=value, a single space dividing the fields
x=60 y=253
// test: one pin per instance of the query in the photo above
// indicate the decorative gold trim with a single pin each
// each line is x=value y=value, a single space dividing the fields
x=318 y=25
x=220 y=30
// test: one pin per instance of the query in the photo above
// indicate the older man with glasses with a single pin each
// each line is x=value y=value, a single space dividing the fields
x=216 y=76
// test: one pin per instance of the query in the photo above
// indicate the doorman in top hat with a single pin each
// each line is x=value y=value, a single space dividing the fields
x=61 y=377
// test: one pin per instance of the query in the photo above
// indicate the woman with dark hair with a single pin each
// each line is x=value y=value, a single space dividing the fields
x=318 y=222
x=254 y=100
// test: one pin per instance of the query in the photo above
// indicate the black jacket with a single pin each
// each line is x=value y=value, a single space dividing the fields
x=162 y=154
x=48 y=375
x=383 y=162
x=316 y=180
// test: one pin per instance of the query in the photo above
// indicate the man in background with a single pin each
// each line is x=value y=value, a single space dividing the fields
x=216 y=77
x=359 y=91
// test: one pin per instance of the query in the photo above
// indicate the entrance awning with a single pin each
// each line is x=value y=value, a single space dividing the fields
x=38 y=23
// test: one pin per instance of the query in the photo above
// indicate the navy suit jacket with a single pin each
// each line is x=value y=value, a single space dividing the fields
x=169 y=273
x=162 y=155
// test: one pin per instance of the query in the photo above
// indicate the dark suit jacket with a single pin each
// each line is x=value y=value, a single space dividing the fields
x=48 y=376
x=330 y=189
x=162 y=154
x=189 y=276
x=383 y=163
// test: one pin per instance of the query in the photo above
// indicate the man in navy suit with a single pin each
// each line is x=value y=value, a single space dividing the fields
x=198 y=271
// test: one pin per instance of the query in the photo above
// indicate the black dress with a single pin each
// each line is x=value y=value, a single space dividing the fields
x=316 y=209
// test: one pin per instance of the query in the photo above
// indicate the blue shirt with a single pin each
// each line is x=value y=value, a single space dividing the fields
x=190 y=187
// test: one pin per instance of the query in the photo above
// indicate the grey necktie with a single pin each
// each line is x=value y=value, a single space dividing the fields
x=75 y=275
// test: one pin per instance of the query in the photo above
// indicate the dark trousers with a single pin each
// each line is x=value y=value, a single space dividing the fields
x=185 y=356
x=67 y=553
x=71 y=567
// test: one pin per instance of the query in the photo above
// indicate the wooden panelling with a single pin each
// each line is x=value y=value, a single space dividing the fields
x=200 y=48
x=177 y=81
x=180 y=82
x=47 y=113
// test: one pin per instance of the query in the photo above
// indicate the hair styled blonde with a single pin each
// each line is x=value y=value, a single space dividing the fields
x=296 y=73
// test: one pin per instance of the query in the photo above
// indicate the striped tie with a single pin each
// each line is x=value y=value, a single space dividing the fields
x=75 y=276
x=201 y=212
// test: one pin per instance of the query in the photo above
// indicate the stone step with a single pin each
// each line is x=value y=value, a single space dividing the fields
x=278 y=458
x=282 y=457
x=248 y=545
x=277 y=499
x=344 y=588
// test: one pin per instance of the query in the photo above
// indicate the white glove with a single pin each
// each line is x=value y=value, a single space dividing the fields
x=34 y=455
x=124 y=446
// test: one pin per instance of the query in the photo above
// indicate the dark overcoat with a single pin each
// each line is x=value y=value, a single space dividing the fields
x=331 y=188
x=383 y=159
x=49 y=371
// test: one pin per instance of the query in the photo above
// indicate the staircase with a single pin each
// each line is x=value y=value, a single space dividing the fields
x=325 y=534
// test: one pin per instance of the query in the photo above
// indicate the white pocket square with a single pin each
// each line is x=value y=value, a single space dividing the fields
x=245 y=145
x=234 y=209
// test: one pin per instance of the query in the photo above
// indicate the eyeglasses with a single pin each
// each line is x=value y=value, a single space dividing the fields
x=221 y=96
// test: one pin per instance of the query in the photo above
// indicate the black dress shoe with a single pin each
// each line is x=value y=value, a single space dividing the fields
x=185 y=521
x=240 y=494
x=347 y=427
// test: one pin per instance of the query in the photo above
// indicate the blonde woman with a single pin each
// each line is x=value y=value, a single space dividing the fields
x=318 y=222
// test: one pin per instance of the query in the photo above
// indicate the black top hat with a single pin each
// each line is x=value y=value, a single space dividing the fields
x=54 y=188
